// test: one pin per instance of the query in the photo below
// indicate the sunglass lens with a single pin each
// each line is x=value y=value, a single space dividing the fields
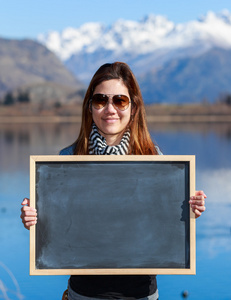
x=121 y=101
x=99 y=100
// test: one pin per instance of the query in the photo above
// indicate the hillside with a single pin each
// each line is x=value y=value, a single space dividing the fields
x=188 y=80
x=26 y=62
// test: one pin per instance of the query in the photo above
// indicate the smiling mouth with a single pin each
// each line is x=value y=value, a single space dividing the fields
x=111 y=120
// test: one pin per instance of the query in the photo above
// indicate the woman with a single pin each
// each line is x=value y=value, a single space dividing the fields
x=113 y=123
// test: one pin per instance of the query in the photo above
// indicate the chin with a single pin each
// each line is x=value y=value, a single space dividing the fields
x=113 y=132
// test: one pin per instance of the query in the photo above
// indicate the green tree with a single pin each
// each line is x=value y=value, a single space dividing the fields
x=23 y=97
x=225 y=99
x=228 y=99
x=9 y=99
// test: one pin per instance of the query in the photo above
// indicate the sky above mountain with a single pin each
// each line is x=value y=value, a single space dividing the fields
x=152 y=33
x=27 y=19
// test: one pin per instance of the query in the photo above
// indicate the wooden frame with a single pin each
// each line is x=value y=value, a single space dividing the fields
x=137 y=173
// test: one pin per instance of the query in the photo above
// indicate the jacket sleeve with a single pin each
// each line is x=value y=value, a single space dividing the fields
x=68 y=150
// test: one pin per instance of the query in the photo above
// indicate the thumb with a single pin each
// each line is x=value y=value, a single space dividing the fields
x=26 y=201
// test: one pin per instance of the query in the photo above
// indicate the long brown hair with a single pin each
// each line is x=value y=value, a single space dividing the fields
x=140 y=140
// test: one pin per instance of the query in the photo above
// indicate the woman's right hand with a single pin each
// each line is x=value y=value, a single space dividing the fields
x=29 y=214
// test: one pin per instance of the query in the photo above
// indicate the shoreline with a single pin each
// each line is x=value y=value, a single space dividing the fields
x=150 y=119
x=156 y=113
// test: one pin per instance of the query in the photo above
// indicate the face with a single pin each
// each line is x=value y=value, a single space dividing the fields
x=111 y=121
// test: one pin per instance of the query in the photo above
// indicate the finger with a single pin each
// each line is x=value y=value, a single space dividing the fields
x=196 y=196
x=27 y=225
x=197 y=213
x=28 y=208
x=198 y=208
x=198 y=193
x=197 y=202
x=199 y=198
x=29 y=219
x=26 y=201
x=28 y=214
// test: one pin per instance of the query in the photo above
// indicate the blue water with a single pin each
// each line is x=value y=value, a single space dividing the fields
x=212 y=147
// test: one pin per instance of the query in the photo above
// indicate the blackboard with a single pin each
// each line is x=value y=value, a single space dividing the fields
x=112 y=215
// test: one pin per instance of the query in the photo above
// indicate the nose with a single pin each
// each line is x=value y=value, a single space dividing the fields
x=110 y=107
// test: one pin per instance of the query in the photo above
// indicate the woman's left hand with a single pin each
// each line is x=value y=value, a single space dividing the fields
x=197 y=203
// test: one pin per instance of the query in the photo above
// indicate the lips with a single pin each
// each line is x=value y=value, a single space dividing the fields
x=110 y=120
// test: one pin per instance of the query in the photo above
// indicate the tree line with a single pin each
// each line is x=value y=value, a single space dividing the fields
x=10 y=98
x=225 y=99
x=23 y=97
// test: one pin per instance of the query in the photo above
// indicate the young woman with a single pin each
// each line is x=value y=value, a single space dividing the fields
x=113 y=123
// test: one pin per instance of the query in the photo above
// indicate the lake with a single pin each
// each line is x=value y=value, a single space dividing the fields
x=211 y=143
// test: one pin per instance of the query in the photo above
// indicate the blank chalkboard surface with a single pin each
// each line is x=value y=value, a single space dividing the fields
x=112 y=215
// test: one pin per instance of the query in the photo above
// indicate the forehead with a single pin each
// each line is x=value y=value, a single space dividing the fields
x=113 y=86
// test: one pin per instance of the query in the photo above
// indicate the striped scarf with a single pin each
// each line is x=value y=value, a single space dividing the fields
x=98 y=144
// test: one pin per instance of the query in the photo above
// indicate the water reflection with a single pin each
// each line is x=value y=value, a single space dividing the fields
x=9 y=285
x=18 y=141
x=222 y=130
x=215 y=232
x=211 y=143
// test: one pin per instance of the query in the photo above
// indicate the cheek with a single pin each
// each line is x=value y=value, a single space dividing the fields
x=126 y=116
x=95 y=114
x=96 y=117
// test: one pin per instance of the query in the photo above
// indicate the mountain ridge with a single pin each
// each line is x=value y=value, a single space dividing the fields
x=152 y=47
x=27 y=62
x=184 y=62
x=153 y=32
x=188 y=80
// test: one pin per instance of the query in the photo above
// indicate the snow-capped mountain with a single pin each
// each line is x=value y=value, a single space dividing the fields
x=122 y=37
x=146 y=45
x=140 y=38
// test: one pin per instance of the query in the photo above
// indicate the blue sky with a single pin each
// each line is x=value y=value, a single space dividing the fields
x=27 y=18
